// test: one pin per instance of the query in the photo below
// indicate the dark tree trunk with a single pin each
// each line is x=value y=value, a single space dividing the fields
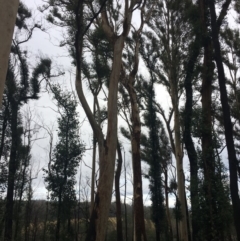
x=118 y=198
x=139 y=225
x=4 y=117
x=57 y=237
x=11 y=174
x=192 y=155
x=19 y=203
x=227 y=121
x=207 y=142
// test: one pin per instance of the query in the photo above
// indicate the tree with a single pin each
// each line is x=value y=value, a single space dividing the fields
x=164 y=53
x=18 y=93
x=118 y=197
x=8 y=13
x=67 y=153
x=76 y=24
x=107 y=148
x=215 y=25
x=231 y=56
x=19 y=90
x=130 y=82
x=156 y=153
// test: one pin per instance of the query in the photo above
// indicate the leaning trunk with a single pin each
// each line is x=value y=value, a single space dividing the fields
x=107 y=148
x=227 y=121
x=8 y=13
x=107 y=153
x=192 y=155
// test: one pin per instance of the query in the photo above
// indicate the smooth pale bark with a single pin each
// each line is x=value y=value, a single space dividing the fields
x=8 y=13
x=179 y=163
x=107 y=147
x=107 y=151
x=226 y=116
x=170 y=231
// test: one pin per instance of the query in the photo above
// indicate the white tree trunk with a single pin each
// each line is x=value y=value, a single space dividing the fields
x=179 y=164
x=8 y=13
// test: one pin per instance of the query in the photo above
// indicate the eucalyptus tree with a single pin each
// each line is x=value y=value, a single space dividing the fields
x=8 y=14
x=215 y=28
x=129 y=81
x=107 y=148
x=164 y=53
x=116 y=31
x=96 y=71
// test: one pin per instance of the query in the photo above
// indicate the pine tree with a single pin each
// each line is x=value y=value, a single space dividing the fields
x=61 y=177
x=157 y=153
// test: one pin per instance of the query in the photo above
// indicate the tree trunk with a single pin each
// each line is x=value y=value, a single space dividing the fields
x=207 y=142
x=139 y=225
x=192 y=155
x=170 y=232
x=118 y=197
x=227 y=121
x=28 y=213
x=8 y=13
x=107 y=152
x=11 y=175
x=58 y=225
x=19 y=203
x=125 y=196
x=179 y=162
x=93 y=160
x=107 y=148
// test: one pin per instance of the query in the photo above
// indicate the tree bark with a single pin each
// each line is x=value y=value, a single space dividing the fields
x=93 y=160
x=207 y=142
x=170 y=231
x=8 y=13
x=11 y=175
x=118 y=196
x=179 y=163
x=139 y=225
x=107 y=148
x=227 y=120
